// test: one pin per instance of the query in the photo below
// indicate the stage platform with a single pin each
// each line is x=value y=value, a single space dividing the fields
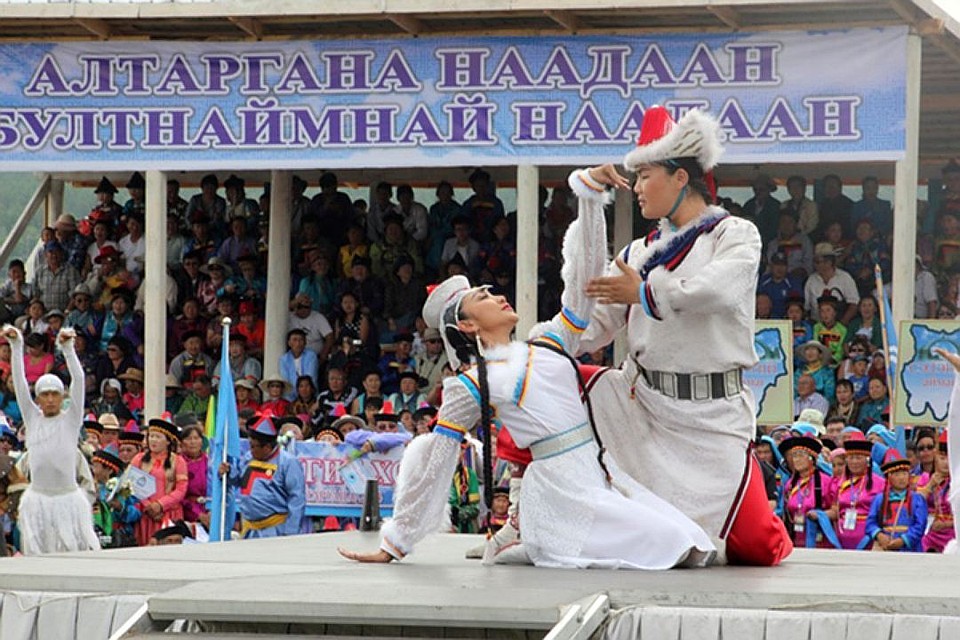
x=300 y=586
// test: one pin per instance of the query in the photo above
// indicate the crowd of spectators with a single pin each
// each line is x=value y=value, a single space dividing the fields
x=355 y=340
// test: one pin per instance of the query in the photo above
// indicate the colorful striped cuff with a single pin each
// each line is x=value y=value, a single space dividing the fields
x=572 y=321
x=648 y=302
x=450 y=430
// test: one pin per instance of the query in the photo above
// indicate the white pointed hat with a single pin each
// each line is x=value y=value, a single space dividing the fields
x=443 y=296
x=696 y=135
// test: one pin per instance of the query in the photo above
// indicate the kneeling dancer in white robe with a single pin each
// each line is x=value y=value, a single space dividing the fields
x=577 y=509
x=55 y=515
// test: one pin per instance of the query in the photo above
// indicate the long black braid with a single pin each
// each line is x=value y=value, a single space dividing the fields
x=467 y=349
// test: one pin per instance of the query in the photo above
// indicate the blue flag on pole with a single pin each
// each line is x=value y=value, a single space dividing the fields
x=890 y=330
x=225 y=447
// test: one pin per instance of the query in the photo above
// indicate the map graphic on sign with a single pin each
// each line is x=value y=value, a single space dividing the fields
x=920 y=371
x=772 y=365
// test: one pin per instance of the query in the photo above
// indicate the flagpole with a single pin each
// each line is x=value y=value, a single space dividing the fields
x=226 y=436
x=881 y=303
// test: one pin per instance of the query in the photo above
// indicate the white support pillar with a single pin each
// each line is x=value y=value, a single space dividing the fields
x=528 y=215
x=905 y=196
x=278 y=272
x=54 y=201
x=622 y=236
x=155 y=294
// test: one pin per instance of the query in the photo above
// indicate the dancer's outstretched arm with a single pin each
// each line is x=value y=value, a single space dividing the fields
x=584 y=256
x=28 y=408
x=426 y=471
x=67 y=345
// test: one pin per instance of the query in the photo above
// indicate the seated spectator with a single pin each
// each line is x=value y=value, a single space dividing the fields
x=371 y=389
x=393 y=364
x=241 y=364
x=110 y=274
x=408 y=397
x=190 y=279
x=871 y=207
x=816 y=365
x=172 y=395
x=226 y=308
x=106 y=209
x=246 y=391
x=319 y=287
x=36 y=361
x=858 y=377
x=207 y=202
x=461 y=244
x=54 y=319
x=238 y=244
x=500 y=253
x=762 y=209
x=846 y=407
x=835 y=207
x=483 y=207
x=778 y=286
x=394 y=245
x=238 y=204
x=305 y=397
x=338 y=392
x=795 y=246
x=133 y=246
x=829 y=280
x=74 y=245
x=353 y=359
x=56 y=277
x=111 y=401
x=367 y=290
x=405 y=297
x=189 y=320
x=253 y=327
x=298 y=361
x=122 y=320
x=859 y=346
x=314 y=324
x=8 y=402
x=802 y=208
x=197 y=400
x=132 y=380
x=102 y=237
x=808 y=397
x=441 y=217
x=115 y=359
x=217 y=272
x=175 y=240
x=764 y=307
x=828 y=331
x=32 y=321
x=275 y=392
x=16 y=292
x=412 y=213
x=867 y=250
x=356 y=247
x=925 y=297
x=877 y=404
x=380 y=208
x=192 y=360
x=867 y=322
x=136 y=206
x=81 y=314
x=503 y=285
x=332 y=208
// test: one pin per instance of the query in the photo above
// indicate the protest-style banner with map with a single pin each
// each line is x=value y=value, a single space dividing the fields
x=771 y=380
x=924 y=381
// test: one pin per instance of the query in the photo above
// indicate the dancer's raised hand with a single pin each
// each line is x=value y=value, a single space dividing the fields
x=11 y=333
x=66 y=335
x=949 y=356
x=607 y=174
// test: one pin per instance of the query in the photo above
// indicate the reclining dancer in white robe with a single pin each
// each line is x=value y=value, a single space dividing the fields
x=953 y=444
x=55 y=515
x=576 y=508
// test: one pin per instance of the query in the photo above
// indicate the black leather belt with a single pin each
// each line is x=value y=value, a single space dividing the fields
x=694 y=386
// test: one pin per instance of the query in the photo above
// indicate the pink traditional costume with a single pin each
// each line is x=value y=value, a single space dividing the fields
x=939 y=509
x=574 y=510
x=802 y=495
x=171 y=482
x=853 y=497
x=676 y=415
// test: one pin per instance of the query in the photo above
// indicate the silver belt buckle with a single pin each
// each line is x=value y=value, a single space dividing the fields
x=668 y=384
x=700 y=386
x=732 y=381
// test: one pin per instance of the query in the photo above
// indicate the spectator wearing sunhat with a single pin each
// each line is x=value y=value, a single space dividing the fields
x=169 y=471
x=245 y=391
x=115 y=512
x=298 y=361
x=74 y=245
x=828 y=279
x=109 y=429
x=898 y=516
x=808 y=489
x=316 y=326
x=56 y=277
x=816 y=364
x=109 y=274
x=275 y=389
x=272 y=491
x=81 y=313
x=852 y=493
x=132 y=380
x=241 y=364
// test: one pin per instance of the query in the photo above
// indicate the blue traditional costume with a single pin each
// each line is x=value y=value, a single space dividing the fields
x=898 y=514
x=272 y=492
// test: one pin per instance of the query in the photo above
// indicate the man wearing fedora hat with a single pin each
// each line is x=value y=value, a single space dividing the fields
x=56 y=277
x=830 y=280
x=74 y=244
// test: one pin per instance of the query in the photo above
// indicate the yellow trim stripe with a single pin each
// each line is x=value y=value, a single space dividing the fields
x=569 y=325
x=526 y=377
x=451 y=425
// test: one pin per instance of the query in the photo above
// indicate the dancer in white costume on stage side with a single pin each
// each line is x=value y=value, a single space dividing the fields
x=676 y=415
x=54 y=513
x=577 y=509
x=953 y=443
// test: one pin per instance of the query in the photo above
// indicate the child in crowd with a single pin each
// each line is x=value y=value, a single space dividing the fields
x=898 y=516
x=829 y=331
x=115 y=511
x=858 y=377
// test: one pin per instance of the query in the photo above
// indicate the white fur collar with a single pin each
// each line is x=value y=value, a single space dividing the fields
x=505 y=365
